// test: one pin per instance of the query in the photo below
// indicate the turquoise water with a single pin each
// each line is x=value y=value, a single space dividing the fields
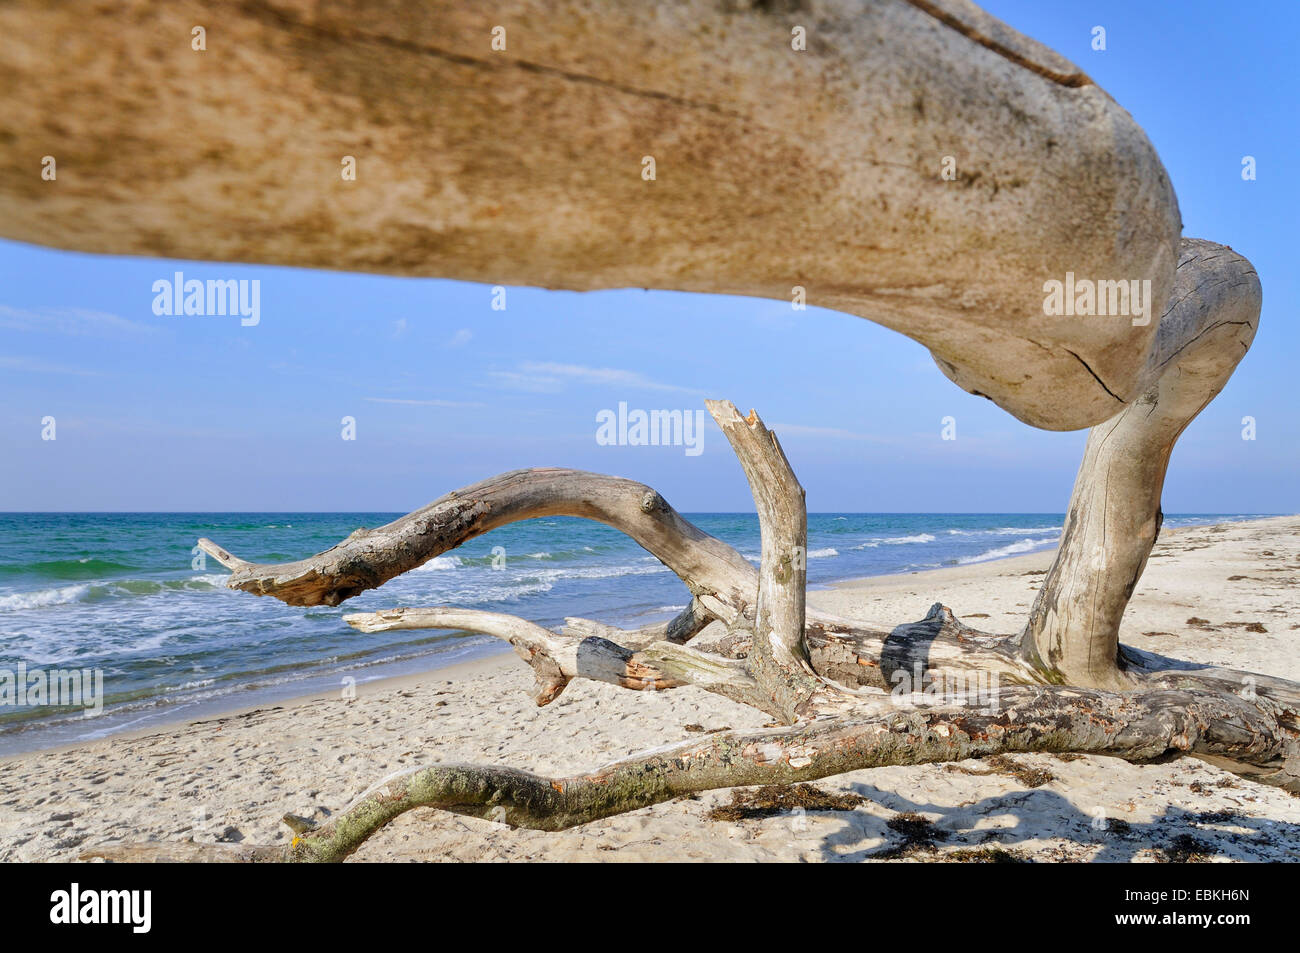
x=120 y=592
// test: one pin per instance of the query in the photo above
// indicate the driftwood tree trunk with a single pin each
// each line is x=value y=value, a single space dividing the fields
x=1114 y=513
x=917 y=163
x=832 y=681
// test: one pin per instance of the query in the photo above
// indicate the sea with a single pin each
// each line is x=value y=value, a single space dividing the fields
x=127 y=595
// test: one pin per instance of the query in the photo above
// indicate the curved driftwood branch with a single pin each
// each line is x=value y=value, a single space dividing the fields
x=1114 y=514
x=852 y=652
x=680 y=629
x=370 y=557
x=555 y=660
x=919 y=164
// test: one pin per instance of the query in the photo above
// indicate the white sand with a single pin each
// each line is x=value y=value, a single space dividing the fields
x=231 y=778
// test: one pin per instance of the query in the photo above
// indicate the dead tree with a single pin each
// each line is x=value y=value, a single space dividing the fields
x=832 y=683
x=916 y=163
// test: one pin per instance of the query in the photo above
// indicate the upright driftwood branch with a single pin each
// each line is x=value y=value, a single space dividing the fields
x=1114 y=514
x=778 y=658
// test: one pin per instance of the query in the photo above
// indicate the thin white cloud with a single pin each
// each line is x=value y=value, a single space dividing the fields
x=460 y=338
x=420 y=403
x=532 y=383
x=548 y=377
x=833 y=432
x=34 y=366
x=78 y=322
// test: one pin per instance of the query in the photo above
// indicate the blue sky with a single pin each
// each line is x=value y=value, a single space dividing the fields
x=199 y=413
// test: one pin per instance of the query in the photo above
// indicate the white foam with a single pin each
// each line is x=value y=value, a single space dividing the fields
x=189 y=686
x=1011 y=549
x=595 y=572
x=896 y=541
x=1003 y=531
x=217 y=579
x=438 y=563
x=41 y=598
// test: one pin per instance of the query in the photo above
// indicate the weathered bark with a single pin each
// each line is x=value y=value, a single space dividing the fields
x=837 y=680
x=940 y=648
x=1137 y=726
x=777 y=657
x=1114 y=514
x=555 y=660
x=558 y=659
x=821 y=168
x=370 y=557
x=680 y=629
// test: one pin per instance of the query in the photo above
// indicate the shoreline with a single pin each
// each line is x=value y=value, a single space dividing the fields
x=946 y=583
x=456 y=670
x=162 y=714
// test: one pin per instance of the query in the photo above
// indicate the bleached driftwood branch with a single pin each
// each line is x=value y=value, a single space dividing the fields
x=1114 y=514
x=918 y=164
x=821 y=168
x=821 y=675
